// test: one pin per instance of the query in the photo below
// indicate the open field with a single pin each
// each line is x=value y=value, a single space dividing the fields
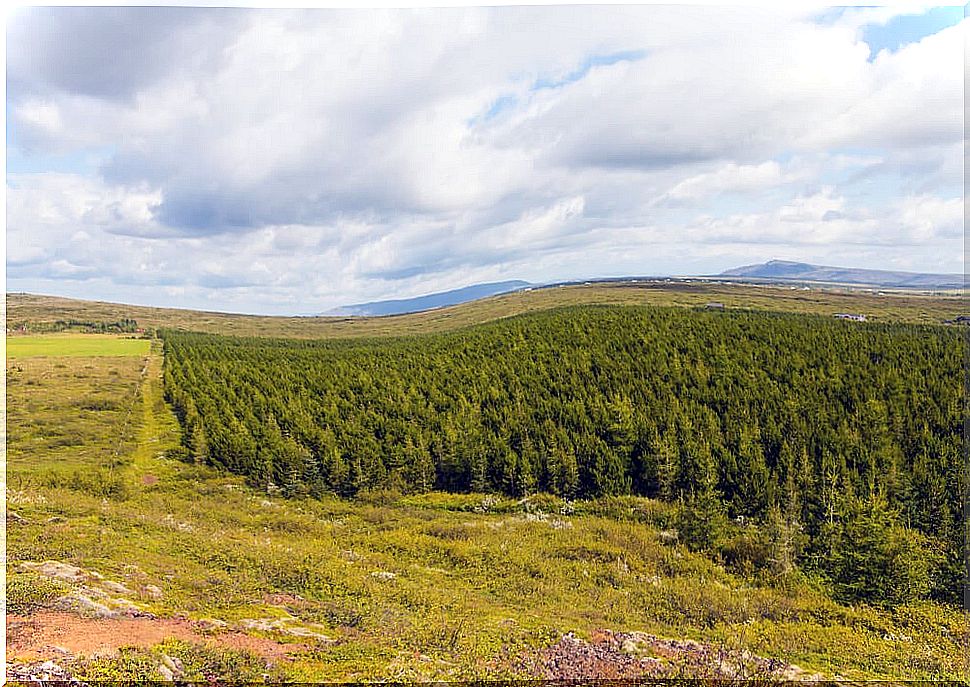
x=891 y=307
x=74 y=346
x=198 y=570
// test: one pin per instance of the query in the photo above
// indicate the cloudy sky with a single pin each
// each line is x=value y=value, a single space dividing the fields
x=291 y=162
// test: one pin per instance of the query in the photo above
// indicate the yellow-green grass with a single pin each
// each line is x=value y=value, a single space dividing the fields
x=475 y=580
x=890 y=306
x=74 y=346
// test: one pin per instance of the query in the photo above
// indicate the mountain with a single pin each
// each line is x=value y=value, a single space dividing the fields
x=804 y=272
x=432 y=300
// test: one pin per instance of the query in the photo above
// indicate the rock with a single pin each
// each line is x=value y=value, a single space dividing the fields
x=13 y=516
x=282 y=626
x=78 y=603
x=166 y=673
x=57 y=570
x=153 y=592
x=383 y=575
x=115 y=587
x=125 y=606
x=306 y=632
x=45 y=672
x=260 y=624
x=174 y=664
x=210 y=624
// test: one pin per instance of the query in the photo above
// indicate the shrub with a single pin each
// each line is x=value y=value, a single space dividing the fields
x=27 y=592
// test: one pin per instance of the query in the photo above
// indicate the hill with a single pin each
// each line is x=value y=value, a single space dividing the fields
x=805 y=272
x=431 y=301
x=41 y=313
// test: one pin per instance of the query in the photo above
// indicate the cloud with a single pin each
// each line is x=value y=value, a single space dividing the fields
x=729 y=178
x=342 y=156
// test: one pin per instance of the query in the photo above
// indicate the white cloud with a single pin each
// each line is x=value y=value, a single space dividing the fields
x=353 y=155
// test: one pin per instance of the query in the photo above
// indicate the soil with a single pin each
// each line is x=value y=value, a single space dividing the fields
x=50 y=635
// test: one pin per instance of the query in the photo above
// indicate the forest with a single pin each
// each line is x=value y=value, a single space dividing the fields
x=792 y=442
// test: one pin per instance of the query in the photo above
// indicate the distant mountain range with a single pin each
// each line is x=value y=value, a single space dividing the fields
x=433 y=300
x=804 y=272
x=773 y=270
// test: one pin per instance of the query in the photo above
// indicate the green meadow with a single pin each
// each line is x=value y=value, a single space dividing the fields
x=75 y=346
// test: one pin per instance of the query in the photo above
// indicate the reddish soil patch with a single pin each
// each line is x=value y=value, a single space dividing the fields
x=47 y=634
x=149 y=480
x=622 y=656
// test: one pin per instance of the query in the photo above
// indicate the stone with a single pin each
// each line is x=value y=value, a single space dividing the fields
x=210 y=624
x=57 y=570
x=383 y=575
x=115 y=587
x=153 y=592
x=78 y=603
x=174 y=665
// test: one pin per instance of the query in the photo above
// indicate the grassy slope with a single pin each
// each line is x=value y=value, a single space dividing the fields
x=468 y=588
x=897 y=306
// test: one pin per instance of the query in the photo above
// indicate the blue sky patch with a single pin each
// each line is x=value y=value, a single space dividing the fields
x=585 y=67
x=909 y=28
x=85 y=161
x=508 y=101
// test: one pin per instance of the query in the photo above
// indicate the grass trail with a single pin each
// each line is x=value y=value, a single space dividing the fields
x=158 y=428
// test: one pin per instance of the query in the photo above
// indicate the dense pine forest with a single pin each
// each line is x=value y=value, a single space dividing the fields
x=790 y=441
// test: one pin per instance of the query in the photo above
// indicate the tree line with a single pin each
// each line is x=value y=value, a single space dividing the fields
x=812 y=424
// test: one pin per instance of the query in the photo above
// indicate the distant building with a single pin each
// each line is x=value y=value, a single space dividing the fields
x=715 y=306
x=850 y=316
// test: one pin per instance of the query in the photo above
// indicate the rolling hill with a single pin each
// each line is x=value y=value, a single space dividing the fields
x=804 y=272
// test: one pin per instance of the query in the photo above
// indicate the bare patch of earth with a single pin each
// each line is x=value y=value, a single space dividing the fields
x=629 y=655
x=52 y=635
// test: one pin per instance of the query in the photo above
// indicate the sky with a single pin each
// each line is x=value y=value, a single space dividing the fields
x=291 y=162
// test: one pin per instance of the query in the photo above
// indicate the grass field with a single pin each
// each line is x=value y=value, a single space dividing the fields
x=888 y=307
x=74 y=346
x=390 y=587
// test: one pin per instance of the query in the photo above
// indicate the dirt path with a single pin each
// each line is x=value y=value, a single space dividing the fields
x=51 y=635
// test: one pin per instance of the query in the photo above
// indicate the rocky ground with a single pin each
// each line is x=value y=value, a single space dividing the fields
x=633 y=655
x=97 y=617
